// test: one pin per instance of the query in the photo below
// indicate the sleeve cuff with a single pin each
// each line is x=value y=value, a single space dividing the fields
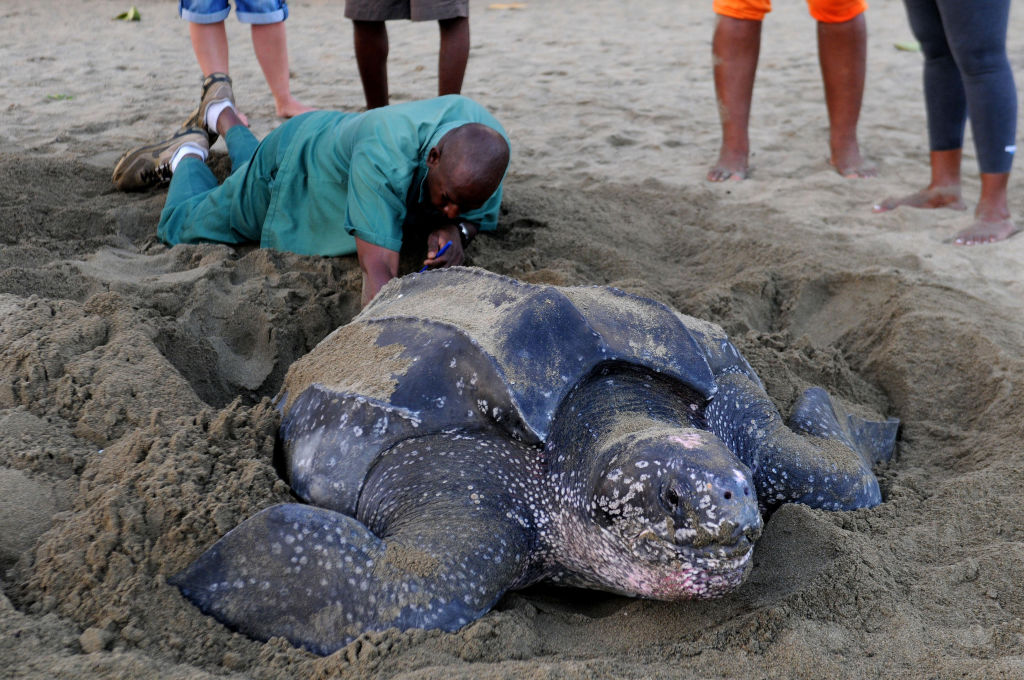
x=376 y=239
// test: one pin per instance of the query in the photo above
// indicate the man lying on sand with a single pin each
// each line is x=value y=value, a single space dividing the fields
x=332 y=183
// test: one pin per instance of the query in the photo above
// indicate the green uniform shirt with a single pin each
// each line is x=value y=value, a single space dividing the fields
x=341 y=175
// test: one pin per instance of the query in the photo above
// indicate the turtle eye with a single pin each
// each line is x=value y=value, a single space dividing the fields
x=671 y=498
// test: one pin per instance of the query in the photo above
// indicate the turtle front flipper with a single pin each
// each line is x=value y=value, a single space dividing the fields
x=319 y=578
x=292 y=570
x=816 y=413
x=822 y=470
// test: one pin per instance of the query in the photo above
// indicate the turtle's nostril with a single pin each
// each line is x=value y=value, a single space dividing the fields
x=728 y=495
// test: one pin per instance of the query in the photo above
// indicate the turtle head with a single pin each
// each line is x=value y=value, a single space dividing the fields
x=679 y=509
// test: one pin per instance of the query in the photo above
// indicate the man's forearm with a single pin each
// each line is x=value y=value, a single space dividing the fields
x=373 y=281
x=379 y=266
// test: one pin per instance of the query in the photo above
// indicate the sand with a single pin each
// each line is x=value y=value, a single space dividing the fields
x=135 y=423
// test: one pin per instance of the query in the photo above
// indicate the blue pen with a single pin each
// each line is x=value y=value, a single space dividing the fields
x=439 y=254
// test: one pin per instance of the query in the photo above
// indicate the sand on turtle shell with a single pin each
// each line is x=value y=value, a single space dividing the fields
x=135 y=380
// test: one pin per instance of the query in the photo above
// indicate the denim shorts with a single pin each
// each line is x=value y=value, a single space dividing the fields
x=248 y=11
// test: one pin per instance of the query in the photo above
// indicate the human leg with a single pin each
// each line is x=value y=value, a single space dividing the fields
x=946 y=108
x=270 y=43
x=210 y=44
x=944 y=96
x=371 y=46
x=942 y=192
x=370 y=35
x=217 y=88
x=842 y=53
x=453 y=55
x=735 y=48
x=976 y=34
x=977 y=39
x=206 y=30
x=198 y=210
x=992 y=221
x=191 y=178
x=240 y=140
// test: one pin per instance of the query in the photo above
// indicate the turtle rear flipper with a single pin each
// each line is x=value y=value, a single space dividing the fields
x=816 y=413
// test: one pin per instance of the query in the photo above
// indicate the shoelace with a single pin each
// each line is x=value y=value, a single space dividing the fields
x=161 y=173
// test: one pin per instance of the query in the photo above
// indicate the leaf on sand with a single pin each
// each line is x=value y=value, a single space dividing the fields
x=60 y=97
x=132 y=14
x=908 y=46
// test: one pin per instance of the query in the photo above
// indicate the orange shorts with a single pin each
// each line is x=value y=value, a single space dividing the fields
x=828 y=11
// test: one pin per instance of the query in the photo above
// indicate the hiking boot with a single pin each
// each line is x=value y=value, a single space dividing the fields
x=147 y=166
x=216 y=88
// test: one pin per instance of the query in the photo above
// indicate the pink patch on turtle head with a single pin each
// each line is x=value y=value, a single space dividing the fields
x=690 y=440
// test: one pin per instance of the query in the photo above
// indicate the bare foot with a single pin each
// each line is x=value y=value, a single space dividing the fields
x=851 y=165
x=291 y=108
x=985 y=231
x=926 y=198
x=730 y=166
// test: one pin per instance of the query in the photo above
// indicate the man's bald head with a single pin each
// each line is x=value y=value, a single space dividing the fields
x=474 y=158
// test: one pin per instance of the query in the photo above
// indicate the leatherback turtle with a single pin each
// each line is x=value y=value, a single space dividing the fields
x=468 y=434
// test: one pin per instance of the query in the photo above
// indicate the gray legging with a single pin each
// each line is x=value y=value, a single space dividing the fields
x=966 y=71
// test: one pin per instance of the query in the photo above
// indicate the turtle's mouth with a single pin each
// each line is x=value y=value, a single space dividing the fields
x=691 y=545
x=677 y=569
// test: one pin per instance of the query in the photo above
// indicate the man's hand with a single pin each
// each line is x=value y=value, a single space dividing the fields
x=379 y=266
x=435 y=242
